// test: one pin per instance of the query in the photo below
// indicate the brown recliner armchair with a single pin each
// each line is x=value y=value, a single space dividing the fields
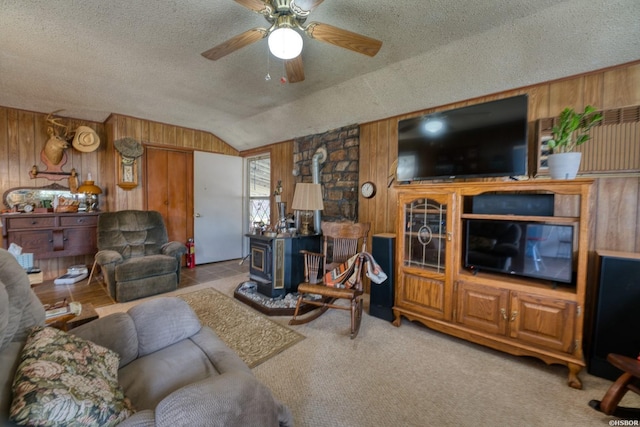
x=135 y=254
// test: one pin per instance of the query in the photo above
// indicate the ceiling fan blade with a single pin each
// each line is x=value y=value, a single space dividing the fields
x=235 y=43
x=307 y=5
x=295 y=69
x=257 y=6
x=343 y=38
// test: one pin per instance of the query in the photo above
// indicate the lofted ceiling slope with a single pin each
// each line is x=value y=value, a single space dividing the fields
x=142 y=59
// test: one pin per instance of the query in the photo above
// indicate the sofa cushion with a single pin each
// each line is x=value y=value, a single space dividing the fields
x=151 y=265
x=63 y=380
x=149 y=379
x=234 y=399
x=115 y=332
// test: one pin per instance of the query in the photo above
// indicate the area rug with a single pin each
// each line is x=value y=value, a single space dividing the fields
x=253 y=336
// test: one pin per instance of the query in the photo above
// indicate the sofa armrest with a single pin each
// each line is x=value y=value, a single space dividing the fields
x=161 y=322
x=175 y=249
x=220 y=355
x=108 y=256
x=230 y=399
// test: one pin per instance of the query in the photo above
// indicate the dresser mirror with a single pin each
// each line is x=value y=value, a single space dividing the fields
x=17 y=198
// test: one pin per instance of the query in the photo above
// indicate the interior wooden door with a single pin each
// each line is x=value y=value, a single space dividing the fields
x=169 y=189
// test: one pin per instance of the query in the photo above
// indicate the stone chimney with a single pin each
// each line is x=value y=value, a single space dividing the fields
x=338 y=174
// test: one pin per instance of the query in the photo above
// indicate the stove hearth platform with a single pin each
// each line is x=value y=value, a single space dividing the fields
x=247 y=292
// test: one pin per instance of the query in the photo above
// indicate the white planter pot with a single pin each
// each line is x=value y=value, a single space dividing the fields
x=564 y=165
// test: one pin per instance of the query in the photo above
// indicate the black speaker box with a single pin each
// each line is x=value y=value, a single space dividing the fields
x=513 y=204
x=616 y=319
x=381 y=295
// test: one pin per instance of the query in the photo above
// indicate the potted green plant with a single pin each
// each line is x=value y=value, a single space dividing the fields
x=571 y=131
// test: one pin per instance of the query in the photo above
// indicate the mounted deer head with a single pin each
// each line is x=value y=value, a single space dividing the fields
x=57 y=142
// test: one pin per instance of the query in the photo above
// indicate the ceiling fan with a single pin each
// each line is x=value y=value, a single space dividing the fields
x=285 y=17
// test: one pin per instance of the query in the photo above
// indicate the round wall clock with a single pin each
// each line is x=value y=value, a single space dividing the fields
x=368 y=190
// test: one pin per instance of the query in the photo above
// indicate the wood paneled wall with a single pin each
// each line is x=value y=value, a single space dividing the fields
x=24 y=133
x=158 y=134
x=616 y=212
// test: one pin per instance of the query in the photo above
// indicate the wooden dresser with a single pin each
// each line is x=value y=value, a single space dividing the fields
x=51 y=235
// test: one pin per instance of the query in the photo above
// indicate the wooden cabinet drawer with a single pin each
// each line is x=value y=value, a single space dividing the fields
x=51 y=235
x=31 y=222
x=79 y=221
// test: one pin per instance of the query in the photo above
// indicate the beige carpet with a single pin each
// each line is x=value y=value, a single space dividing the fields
x=253 y=336
x=412 y=376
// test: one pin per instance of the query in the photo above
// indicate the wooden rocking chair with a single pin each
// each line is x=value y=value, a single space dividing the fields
x=341 y=241
x=628 y=381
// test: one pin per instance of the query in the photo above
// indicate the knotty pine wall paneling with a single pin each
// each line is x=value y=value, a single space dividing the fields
x=616 y=212
x=158 y=134
x=23 y=135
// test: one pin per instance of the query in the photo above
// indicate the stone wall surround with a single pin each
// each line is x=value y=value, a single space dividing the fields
x=338 y=174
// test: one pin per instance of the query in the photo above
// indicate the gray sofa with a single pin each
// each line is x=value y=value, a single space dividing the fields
x=136 y=256
x=175 y=371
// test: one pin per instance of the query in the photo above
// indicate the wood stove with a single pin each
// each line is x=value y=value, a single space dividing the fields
x=276 y=263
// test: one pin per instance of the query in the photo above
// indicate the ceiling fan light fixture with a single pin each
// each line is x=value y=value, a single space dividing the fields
x=285 y=43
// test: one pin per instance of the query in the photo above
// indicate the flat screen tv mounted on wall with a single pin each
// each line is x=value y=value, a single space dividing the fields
x=482 y=140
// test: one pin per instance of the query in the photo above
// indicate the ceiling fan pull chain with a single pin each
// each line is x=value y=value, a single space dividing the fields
x=267 y=77
x=283 y=79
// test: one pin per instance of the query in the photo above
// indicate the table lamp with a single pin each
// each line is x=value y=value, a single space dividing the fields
x=307 y=198
x=91 y=192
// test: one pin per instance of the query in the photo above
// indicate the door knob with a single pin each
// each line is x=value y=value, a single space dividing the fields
x=197 y=215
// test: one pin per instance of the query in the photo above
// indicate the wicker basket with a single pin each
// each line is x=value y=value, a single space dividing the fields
x=67 y=208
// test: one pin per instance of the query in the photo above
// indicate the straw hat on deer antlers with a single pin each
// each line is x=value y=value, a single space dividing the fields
x=86 y=139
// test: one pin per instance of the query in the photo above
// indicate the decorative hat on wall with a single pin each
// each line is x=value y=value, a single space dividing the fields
x=86 y=139
x=129 y=147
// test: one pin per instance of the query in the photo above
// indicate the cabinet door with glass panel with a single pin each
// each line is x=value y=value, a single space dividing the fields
x=426 y=231
x=424 y=255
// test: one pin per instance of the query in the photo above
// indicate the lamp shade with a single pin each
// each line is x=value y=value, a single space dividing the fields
x=307 y=197
x=89 y=188
x=285 y=43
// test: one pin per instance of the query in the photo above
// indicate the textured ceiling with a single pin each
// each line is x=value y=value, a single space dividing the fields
x=142 y=58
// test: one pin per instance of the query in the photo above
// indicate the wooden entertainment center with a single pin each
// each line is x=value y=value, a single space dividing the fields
x=519 y=315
